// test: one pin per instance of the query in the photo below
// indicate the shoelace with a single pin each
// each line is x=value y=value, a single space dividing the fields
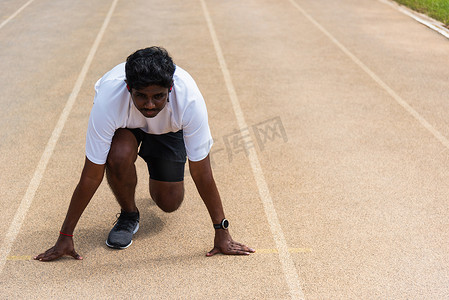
x=124 y=222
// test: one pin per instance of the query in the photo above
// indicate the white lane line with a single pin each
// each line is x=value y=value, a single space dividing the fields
x=15 y=14
x=443 y=140
x=25 y=204
x=288 y=266
x=258 y=250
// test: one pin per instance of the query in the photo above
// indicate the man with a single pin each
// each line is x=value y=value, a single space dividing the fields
x=151 y=103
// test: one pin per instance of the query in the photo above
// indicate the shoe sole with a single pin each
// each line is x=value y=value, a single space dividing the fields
x=123 y=247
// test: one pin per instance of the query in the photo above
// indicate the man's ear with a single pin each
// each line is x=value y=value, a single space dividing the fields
x=127 y=86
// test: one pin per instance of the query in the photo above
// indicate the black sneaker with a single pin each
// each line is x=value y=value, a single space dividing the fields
x=121 y=234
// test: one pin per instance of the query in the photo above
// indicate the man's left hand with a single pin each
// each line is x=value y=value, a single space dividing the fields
x=224 y=244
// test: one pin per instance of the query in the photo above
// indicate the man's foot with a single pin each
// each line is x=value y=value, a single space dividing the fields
x=121 y=234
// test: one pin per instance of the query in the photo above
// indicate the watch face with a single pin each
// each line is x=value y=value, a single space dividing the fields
x=225 y=224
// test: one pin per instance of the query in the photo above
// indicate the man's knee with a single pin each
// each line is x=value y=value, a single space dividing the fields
x=123 y=150
x=119 y=160
x=168 y=201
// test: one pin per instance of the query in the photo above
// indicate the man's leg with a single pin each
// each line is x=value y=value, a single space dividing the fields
x=121 y=170
x=122 y=178
x=165 y=156
x=167 y=195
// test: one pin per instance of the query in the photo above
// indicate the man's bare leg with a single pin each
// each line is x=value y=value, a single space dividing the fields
x=167 y=195
x=121 y=170
x=122 y=178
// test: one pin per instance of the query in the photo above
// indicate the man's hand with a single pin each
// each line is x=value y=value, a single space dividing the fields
x=224 y=244
x=64 y=246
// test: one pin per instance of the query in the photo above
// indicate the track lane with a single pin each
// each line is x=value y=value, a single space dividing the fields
x=357 y=180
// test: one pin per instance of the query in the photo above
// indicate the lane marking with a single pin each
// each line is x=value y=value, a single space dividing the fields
x=442 y=139
x=423 y=19
x=15 y=14
x=291 y=250
x=258 y=251
x=19 y=257
x=25 y=204
x=288 y=266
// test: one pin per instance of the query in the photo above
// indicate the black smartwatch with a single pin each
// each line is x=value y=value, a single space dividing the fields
x=223 y=225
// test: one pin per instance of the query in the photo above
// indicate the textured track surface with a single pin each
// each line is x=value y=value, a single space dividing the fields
x=342 y=187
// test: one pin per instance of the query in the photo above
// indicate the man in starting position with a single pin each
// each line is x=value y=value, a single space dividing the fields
x=150 y=103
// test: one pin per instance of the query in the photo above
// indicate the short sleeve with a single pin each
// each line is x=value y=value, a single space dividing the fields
x=102 y=126
x=197 y=137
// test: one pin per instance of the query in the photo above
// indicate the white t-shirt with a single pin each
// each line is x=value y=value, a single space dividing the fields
x=113 y=108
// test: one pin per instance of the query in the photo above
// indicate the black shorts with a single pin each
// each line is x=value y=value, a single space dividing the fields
x=165 y=154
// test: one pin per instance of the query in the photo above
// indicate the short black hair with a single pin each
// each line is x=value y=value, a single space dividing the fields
x=149 y=66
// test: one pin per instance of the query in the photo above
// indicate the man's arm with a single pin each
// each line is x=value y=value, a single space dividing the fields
x=90 y=180
x=201 y=172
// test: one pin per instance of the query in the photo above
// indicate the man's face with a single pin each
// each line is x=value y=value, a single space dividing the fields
x=150 y=100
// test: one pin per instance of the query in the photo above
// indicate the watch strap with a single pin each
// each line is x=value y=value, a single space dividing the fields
x=224 y=224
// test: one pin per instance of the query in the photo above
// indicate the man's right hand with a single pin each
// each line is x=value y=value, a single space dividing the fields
x=64 y=246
